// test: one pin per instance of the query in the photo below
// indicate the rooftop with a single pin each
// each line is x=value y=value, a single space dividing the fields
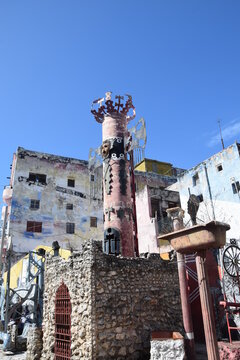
x=21 y=153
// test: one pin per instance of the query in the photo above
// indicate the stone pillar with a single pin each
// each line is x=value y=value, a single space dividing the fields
x=118 y=224
x=34 y=343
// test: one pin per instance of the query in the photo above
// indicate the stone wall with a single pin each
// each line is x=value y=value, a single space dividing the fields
x=116 y=303
x=76 y=274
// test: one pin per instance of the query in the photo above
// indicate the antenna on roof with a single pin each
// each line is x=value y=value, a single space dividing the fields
x=219 y=123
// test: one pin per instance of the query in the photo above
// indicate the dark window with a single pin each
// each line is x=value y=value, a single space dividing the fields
x=155 y=208
x=200 y=198
x=92 y=177
x=69 y=206
x=38 y=178
x=93 y=221
x=171 y=204
x=34 y=226
x=34 y=204
x=71 y=182
x=195 y=179
x=219 y=168
x=70 y=228
x=235 y=187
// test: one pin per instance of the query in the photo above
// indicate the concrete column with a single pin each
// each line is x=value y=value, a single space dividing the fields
x=177 y=216
x=207 y=308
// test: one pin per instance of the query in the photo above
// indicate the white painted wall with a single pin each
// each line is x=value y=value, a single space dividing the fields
x=224 y=205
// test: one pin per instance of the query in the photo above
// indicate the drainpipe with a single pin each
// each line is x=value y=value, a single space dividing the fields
x=2 y=240
x=176 y=215
x=209 y=190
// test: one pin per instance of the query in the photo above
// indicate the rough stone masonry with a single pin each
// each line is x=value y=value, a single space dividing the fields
x=116 y=303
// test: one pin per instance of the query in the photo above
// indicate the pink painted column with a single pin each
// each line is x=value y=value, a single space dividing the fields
x=118 y=206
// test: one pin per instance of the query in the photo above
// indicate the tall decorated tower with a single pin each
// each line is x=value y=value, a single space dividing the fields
x=116 y=141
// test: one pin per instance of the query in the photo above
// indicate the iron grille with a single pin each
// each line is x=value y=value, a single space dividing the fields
x=62 y=348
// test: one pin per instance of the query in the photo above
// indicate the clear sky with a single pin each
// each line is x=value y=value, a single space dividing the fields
x=180 y=61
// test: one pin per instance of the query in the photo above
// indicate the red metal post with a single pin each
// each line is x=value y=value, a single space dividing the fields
x=177 y=217
x=207 y=308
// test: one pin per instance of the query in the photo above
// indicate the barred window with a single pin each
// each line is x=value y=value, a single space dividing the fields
x=34 y=226
x=69 y=206
x=71 y=182
x=70 y=228
x=93 y=221
x=34 y=204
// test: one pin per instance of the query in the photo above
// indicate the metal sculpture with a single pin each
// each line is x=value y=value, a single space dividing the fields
x=116 y=151
x=231 y=286
x=231 y=259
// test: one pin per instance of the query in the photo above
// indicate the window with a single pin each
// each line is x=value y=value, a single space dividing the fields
x=69 y=206
x=70 y=228
x=219 y=167
x=34 y=226
x=195 y=179
x=235 y=187
x=93 y=221
x=155 y=208
x=71 y=182
x=200 y=198
x=34 y=205
x=172 y=204
x=92 y=177
x=38 y=178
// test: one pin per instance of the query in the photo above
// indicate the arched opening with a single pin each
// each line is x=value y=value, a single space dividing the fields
x=62 y=348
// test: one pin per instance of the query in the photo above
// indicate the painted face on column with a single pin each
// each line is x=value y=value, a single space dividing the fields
x=105 y=149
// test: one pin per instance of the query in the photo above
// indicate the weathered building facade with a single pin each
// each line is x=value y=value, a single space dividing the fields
x=152 y=199
x=52 y=198
x=216 y=182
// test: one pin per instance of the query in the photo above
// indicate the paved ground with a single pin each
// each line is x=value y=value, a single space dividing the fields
x=11 y=356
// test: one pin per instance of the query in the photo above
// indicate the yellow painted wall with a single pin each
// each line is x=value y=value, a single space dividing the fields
x=159 y=167
x=141 y=166
x=16 y=269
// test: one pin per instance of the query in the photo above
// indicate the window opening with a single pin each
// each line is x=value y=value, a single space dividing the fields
x=93 y=221
x=38 y=178
x=219 y=168
x=171 y=204
x=92 y=177
x=70 y=228
x=34 y=226
x=62 y=347
x=235 y=187
x=69 y=206
x=34 y=204
x=155 y=208
x=71 y=182
x=195 y=179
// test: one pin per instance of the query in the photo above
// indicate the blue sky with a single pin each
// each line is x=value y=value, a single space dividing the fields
x=180 y=60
